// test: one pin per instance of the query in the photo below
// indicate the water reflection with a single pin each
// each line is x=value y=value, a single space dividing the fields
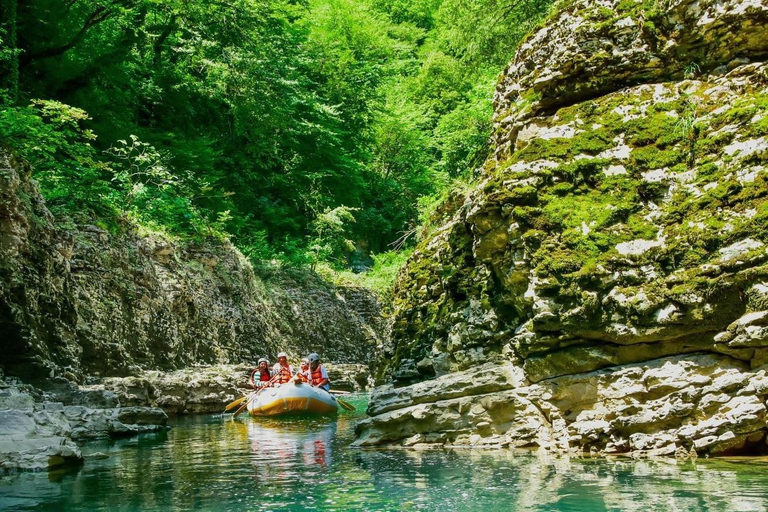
x=284 y=451
x=307 y=443
x=262 y=464
x=527 y=482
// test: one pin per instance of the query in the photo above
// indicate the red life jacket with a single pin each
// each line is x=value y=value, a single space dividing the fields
x=283 y=376
x=317 y=375
x=263 y=376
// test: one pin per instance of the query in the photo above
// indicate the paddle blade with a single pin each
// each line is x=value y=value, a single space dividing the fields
x=234 y=404
x=241 y=409
x=346 y=405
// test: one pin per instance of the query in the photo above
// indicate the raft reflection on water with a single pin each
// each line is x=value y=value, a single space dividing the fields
x=281 y=448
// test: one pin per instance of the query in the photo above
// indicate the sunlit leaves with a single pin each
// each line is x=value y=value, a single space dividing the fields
x=259 y=117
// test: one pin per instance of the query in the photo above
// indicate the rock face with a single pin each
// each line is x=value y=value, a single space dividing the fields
x=83 y=301
x=36 y=433
x=611 y=262
x=701 y=403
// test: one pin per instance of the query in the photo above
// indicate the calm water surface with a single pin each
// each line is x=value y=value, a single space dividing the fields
x=206 y=463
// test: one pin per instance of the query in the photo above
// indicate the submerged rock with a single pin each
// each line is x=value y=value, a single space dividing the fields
x=614 y=252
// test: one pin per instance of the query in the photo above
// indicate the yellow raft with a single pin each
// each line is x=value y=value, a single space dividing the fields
x=292 y=398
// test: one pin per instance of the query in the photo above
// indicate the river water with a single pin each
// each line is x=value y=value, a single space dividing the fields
x=298 y=464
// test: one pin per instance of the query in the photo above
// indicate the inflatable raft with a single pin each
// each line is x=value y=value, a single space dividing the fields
x=292 y=398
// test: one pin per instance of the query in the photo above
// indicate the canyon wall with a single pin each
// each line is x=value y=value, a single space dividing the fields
x=79 y=301
x=603 y=287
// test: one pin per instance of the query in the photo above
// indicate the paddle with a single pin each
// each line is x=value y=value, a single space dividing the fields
x=343 y=403
x=234 y=404
x=346 y=405
x=237 y=402
x=241 y=409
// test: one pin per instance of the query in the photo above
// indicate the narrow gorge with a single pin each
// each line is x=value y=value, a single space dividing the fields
x=598 y=285
x=105 y=333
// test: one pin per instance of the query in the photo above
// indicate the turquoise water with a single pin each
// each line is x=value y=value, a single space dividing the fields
x=206 y=463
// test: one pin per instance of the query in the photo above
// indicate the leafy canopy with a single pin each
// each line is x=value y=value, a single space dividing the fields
x=305 y=130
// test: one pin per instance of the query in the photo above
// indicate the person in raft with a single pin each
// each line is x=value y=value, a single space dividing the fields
x=282 y=371
x=304 y=374
x=318 y=374
x=261 y=376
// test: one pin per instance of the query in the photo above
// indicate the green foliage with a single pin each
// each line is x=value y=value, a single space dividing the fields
x=142 y=169
x=380 y=277
x=461 y=135
x=487 y=32
x=419 y=13
x=271 y=121
x=151 y=192
x=330 y=230
x=50 y=136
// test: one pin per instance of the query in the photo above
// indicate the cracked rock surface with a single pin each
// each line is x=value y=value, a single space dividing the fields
x=37 y=432
x=80 y=301
x=603 y=287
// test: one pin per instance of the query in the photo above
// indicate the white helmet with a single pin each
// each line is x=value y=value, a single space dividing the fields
x=282 y=354
x=313 y=358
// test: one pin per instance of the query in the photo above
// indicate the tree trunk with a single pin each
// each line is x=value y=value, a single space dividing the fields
x=10 y=65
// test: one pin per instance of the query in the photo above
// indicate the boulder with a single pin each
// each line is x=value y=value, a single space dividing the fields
x=39 y=435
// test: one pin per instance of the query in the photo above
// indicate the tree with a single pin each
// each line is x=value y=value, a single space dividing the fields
x=330 y=242
x=9 y=53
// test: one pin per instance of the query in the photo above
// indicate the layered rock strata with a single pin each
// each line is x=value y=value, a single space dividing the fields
x=676 y=406
x=79 y=300
x=619 y=229
x=37 y=432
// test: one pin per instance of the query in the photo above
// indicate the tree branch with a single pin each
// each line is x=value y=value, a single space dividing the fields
x=99 y=15
x=158 y=46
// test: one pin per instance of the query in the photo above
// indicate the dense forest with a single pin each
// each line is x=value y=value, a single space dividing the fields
x=306 y=131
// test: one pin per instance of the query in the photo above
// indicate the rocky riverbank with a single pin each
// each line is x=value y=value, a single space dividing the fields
x=603 y=287
x=39 y=431
x=679 y=406
x=42 y=429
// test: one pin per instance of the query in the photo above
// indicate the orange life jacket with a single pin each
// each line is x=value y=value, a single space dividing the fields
x=317 y=375
x=283 y=376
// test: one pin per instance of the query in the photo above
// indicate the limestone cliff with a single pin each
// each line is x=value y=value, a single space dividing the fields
x=81 y=301
x=608 y=272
